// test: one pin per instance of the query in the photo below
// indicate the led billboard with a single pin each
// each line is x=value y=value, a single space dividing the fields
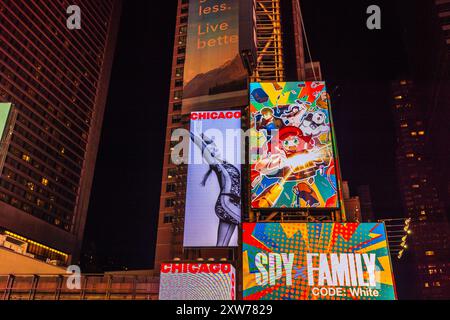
x=194 y=281
x=5 y=109
x=291 y=146
x=213 y=191
x=214 y=74
x=316 y=261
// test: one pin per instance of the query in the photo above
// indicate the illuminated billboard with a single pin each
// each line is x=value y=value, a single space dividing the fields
x=195 y=281
x=291 y=146
x=5 y=109
x=316 y=261
x=213 y=191
x=214 y=74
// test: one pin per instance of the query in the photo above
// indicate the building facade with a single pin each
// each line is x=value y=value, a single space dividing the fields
x=420 y=105
x=429 y=242
x=57 y=80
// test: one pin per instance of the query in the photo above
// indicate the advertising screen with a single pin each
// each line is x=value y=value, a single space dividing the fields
x=213 y=191
x=316 y=261
x=291 y=146
x=194 y=281
x=214 y=74
x=5 y=109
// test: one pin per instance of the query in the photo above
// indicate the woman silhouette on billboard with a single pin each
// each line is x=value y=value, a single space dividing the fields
x=228 y=204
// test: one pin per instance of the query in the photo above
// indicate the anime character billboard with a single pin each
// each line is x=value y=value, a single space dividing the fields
x=213 y=193
x=291 y=148
x=316 y=261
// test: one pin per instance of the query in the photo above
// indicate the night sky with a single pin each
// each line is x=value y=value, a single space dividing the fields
x=357 y=63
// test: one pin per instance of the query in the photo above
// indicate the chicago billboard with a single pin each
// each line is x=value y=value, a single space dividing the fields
x=194 y=281
x=316 y=261
x=213 y=191
x=213 y=72
x=291 y=146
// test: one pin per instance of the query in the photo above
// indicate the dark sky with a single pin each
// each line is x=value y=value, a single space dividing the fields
x=357 y=63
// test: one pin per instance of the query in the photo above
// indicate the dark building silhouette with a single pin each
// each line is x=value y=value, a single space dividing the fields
x=365 y=200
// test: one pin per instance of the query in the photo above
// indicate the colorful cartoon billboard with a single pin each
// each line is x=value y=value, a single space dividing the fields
x=214 y=74
x=291 y=146
x=213 y=191
x=195 y=281
x=316 y=261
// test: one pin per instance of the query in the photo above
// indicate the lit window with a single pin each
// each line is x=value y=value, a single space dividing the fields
x=426 y=285
x=404 y=125
x=429 y=253
x=415 y=186
x=414 y=133
x=398 y=97
x=31 y=186
x=410 y=155
x=178 y=95
x=179 y=72
x=421 y=133
x=44 y=181
x=171 y=173
x=26 y=158
x=403 y=82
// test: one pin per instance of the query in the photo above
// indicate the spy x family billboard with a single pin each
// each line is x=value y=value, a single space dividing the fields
x=291 y=146
x=213 y=191
x=316 y=261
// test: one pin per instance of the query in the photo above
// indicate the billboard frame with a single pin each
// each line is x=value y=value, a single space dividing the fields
x=314 y=210
x=241 y=167
x=242 y=276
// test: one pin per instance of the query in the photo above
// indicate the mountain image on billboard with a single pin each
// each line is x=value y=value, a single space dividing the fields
x=316 y=261
x=213 y=192
x=214 y=74
x=291 y=146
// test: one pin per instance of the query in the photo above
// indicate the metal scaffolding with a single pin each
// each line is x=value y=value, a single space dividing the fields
x=270 y=66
